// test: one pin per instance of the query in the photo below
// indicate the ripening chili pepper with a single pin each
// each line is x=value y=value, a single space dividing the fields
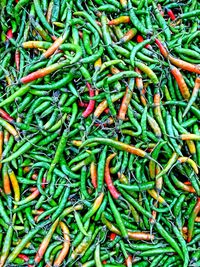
x=131 y=235
x=190 y=137
x=160 y=10
x=53 y=47
x=6 y=116
x=124 y=3
x=104 y=104
x=140 y=39
x=119 y=20
x=128 y=261
x=63 y=253
x=24 y=257
x=32 y=196
x=15 y=184
x=94 y=208
x=17 y=59
x=79 y=124
x=45 y=243
x=91 y=104
x=93 y=172
x=180 y=81
x=118 y=145
x=177 y=62
x=128 y=36
x=190 y=161
x=43 y=72
x=141 y=88
x=108 y=178
x=125 y=103
x=191 y=220
x=197 y=219
x=8 y=126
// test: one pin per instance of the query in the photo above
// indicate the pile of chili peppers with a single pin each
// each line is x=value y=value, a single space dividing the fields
x=99 y=133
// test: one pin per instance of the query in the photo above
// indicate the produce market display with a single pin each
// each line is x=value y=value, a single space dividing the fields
x=99 y=133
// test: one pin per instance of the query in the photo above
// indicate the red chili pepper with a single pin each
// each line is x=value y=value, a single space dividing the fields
x=161 y=47
x=187 y=182
x=107 y=110
x=82 y=104
x=140 y=39
x=91 y=104
x=23 y=257
x=108 y=178
x=40 y=210
x=5 y=116
x=171 y=14
x=112 y=236
x=44 y=181
x=9 y=34
x=104 y=262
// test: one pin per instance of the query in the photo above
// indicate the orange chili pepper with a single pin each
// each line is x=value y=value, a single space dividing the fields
x=17 y=59
x=49 y=11
x=124 y=105
x=140 y=87
x=197 y=219
x=45 y=243
x=93 y=173
x=181 y=83
x=128 y=35
x=128 y=261
x=63 y=253
x=189 y=136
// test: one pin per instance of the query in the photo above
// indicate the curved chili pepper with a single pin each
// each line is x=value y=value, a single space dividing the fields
x=91 y=104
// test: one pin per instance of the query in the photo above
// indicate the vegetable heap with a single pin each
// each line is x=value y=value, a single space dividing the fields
x=99 y=133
